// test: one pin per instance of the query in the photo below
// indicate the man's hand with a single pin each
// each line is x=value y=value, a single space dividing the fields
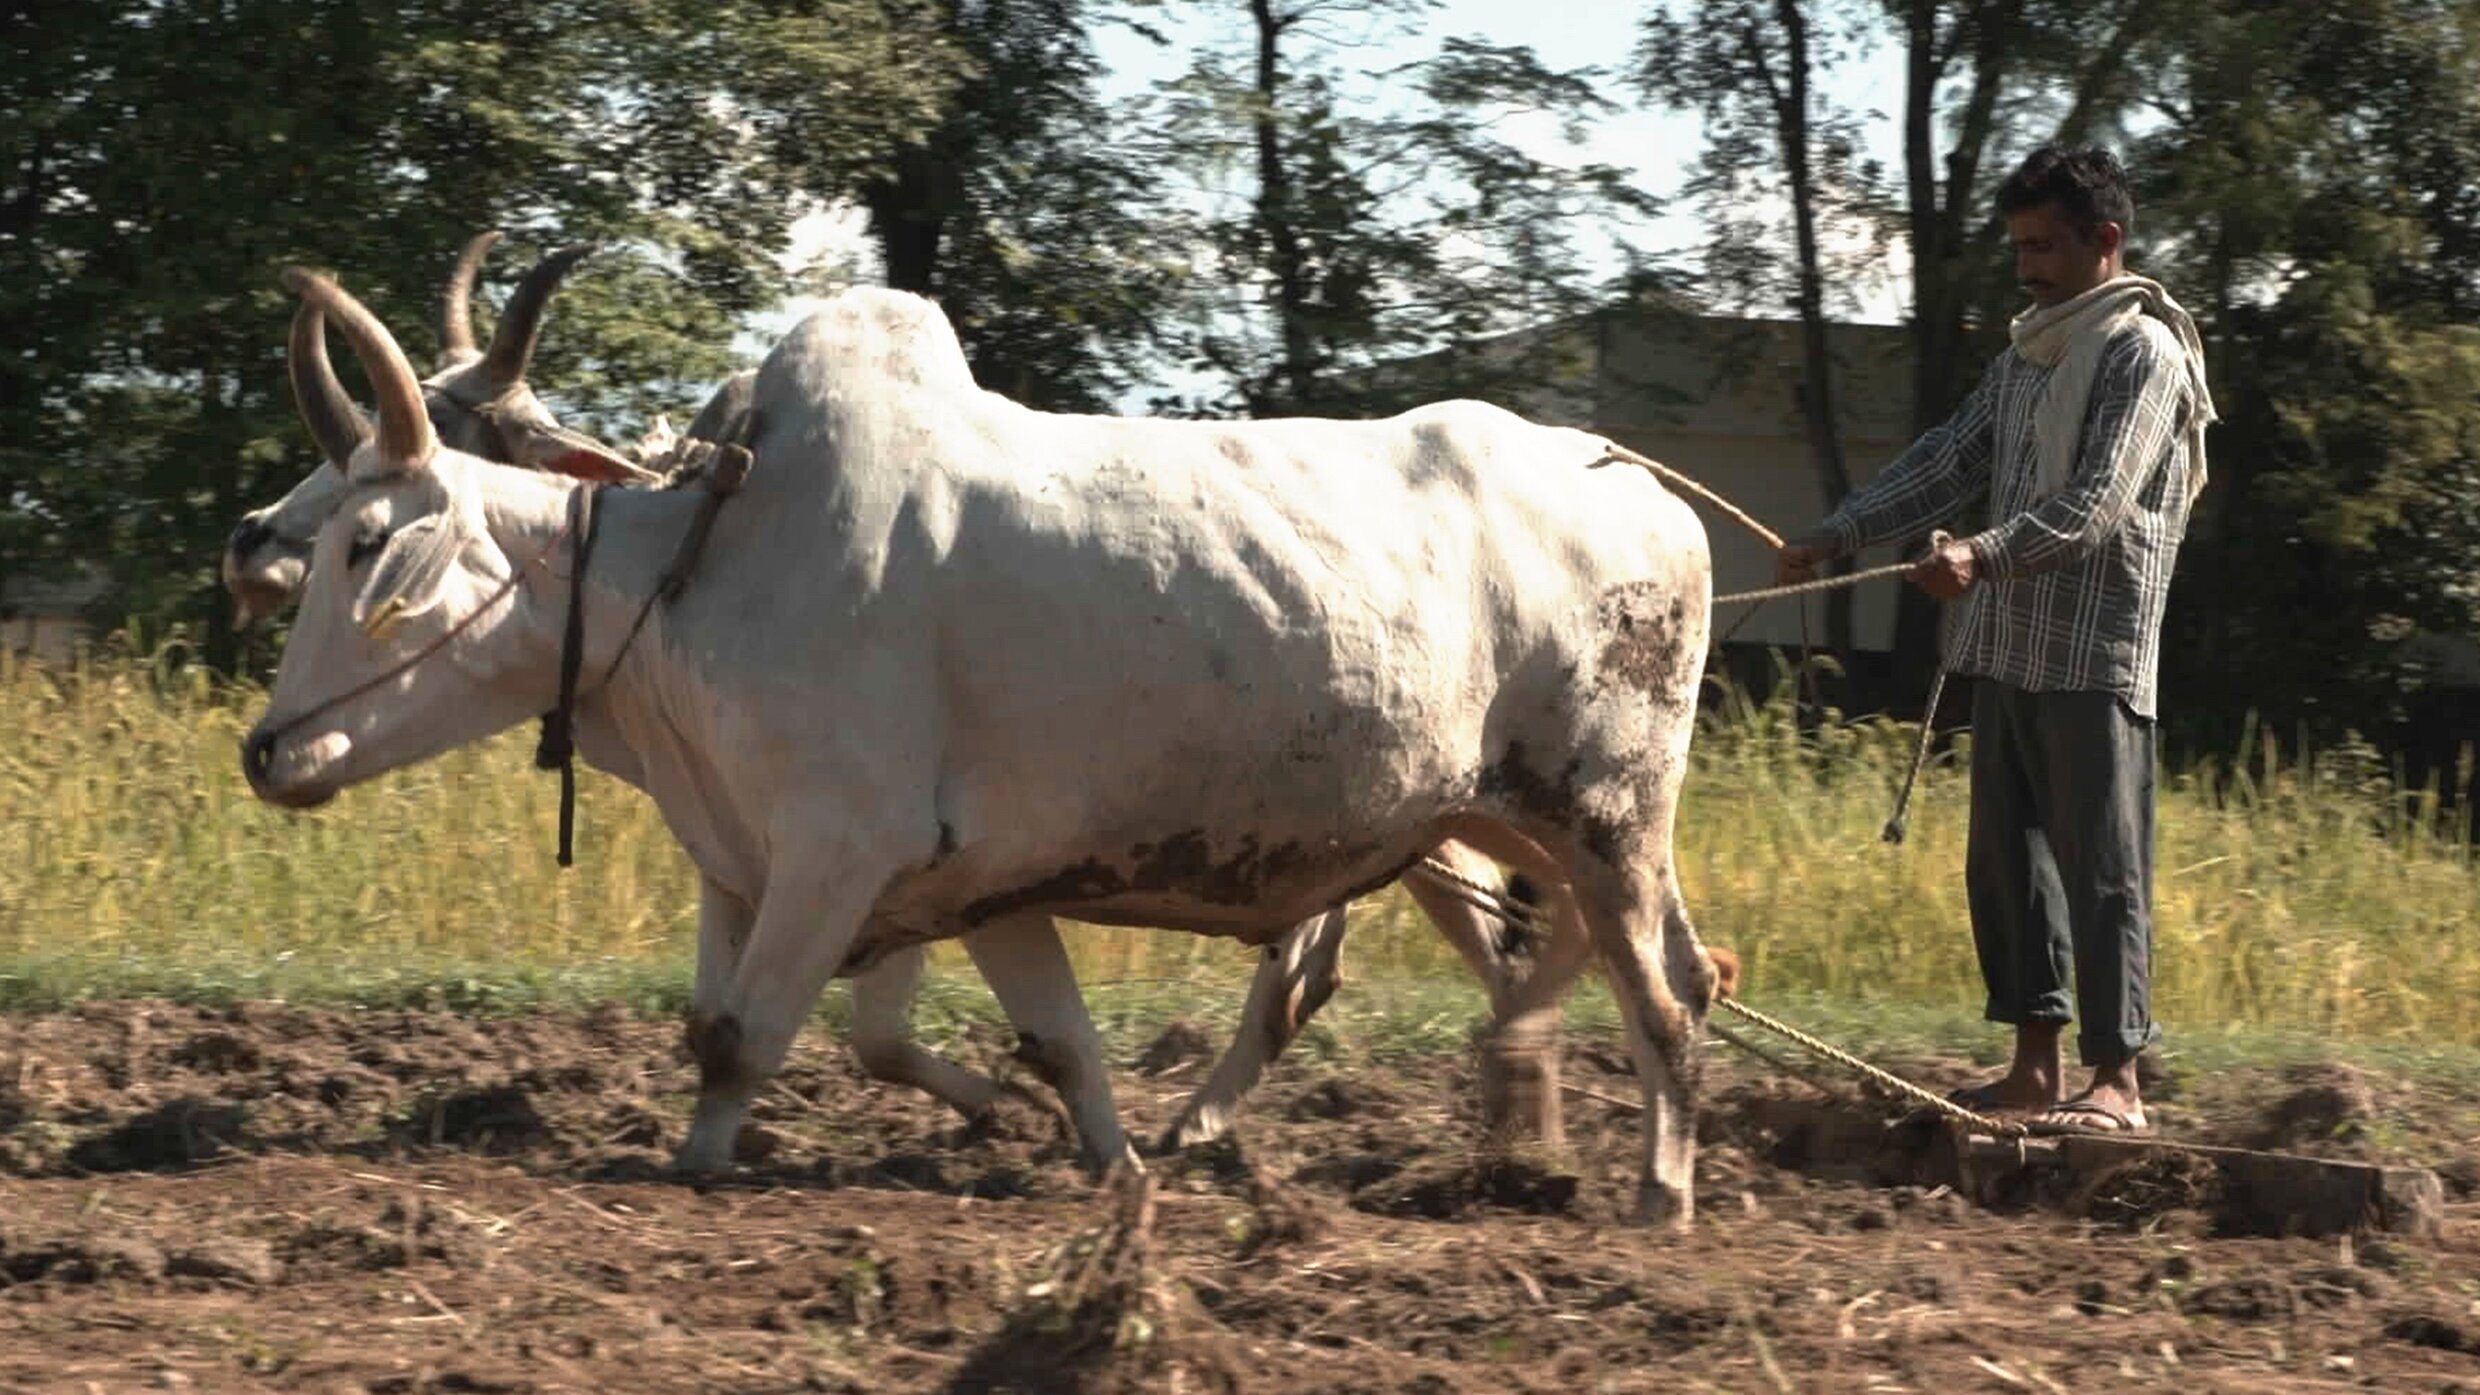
x=1799 y=559
x=1947 y=572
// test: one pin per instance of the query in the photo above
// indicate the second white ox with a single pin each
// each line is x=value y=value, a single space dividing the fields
x=952 y=665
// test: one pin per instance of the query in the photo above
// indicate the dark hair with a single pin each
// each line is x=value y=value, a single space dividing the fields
x=2088 y=185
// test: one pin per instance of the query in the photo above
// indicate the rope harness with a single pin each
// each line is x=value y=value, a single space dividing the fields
x=1897 y=823
x=723 y=469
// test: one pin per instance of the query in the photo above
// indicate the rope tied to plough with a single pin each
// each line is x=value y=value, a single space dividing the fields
x=1898 y=823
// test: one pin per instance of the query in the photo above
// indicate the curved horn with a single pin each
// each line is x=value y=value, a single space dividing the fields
x=405 y=437
x=512 y=339
x=335 y=423
x=456 y=319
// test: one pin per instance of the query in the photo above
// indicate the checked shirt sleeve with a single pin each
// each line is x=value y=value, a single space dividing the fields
x=2136 y=399
x=1946 y=468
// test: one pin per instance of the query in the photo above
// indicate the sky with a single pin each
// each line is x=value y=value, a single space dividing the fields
x=1661 y=146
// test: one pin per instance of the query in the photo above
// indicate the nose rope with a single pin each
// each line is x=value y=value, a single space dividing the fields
x=260 y=753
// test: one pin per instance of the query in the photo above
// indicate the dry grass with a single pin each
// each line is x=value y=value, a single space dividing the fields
x=132 y=857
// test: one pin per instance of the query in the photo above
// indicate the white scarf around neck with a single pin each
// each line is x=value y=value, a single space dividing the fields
x=2067 y=338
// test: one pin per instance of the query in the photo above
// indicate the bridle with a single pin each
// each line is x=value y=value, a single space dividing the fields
x=722 y=471
x=259 y=754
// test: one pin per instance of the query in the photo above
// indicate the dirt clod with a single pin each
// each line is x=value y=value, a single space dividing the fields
x=2327 y=1104
x=493 y=1119
x=240 y=1261
x=1453 y=1189
x=1179 y=1044
x=173 y=1135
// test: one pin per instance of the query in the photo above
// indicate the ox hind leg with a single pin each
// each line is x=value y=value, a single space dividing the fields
x=1524 y=981
x=1528 y=979
x=882 y=1042
x=1664 y=986
x=1021 y=958
x=1628 y=899
x=1297 y=975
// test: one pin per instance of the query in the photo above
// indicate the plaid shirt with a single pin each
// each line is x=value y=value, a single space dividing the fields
x=2071 y=588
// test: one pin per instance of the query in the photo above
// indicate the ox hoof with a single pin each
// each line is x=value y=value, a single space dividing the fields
x=1660 y=1204
x=1108 y=1169
x=1192 y=1128
x=705 y=1156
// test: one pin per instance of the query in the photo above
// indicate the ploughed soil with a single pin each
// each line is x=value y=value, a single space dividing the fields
x=273 y=1197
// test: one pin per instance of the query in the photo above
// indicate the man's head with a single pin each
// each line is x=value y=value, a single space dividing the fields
x=2068 y=214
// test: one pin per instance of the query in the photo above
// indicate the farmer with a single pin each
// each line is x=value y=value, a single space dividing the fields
x=2087 y=440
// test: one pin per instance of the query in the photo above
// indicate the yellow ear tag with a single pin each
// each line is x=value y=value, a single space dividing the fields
x=384 y=620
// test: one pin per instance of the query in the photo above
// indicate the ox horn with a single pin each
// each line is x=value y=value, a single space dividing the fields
x=512 y=339
x=456 y=317
x=405 y=437
x=335 y=423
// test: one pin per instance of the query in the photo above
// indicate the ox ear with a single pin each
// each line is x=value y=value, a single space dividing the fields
x=410 y=577
x=579 y=456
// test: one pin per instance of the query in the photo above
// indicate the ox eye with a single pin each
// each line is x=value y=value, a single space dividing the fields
x=366 y=545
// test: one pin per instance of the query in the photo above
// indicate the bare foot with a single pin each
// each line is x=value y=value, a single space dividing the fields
x=2008 y=1094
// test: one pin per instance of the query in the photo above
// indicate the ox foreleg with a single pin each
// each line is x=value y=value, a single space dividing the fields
x=1296 y=976
x=748 y=1011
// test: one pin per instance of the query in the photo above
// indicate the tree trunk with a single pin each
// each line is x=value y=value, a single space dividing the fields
x=222 y=644
x=1297 y=373
x=1817 y=368
x=1942 y=263
x=908 y=216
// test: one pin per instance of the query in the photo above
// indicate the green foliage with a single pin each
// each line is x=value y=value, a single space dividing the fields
x=1047 y=242
x=159 y=162
x=2319 y=187
x=1340 y=237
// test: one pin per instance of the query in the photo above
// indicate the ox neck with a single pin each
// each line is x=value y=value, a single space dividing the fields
x=600 y=588
x=635 y=532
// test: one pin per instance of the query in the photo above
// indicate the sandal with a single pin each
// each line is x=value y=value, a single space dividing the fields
x=2083 y=1114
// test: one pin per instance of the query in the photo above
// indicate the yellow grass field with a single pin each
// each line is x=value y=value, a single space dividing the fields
x=133 y=859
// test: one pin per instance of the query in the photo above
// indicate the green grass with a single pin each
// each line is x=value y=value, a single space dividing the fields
x=2302 y=901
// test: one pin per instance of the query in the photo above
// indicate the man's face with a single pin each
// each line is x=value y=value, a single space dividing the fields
x=2052 y=261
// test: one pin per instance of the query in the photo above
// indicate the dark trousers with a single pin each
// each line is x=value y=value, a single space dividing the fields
x=2060 y=865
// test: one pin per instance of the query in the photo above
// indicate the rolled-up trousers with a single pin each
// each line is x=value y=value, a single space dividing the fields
x=2060 y=863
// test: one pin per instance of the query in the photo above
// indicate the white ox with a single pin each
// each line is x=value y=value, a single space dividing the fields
x=952 y=667
x=268 y=562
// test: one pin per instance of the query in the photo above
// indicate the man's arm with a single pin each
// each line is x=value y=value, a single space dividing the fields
x=2137 y=395
x=1944 y=469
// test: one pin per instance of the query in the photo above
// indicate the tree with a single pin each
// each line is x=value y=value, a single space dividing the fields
x=1348 y=239
x=2007 y=75
x=2318 y=178
x=1042 y=239
x=160 y=160
x=1749 y=66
